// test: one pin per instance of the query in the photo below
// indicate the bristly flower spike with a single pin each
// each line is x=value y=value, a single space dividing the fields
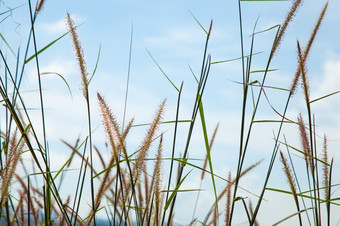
x=80 y=56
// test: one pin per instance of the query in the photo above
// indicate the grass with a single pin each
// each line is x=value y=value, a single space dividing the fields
x=132 y=188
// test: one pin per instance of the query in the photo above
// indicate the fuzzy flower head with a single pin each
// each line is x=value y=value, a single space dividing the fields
x=80 y=55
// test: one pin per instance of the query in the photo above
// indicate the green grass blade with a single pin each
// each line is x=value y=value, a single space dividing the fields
x=9 y=47
x=162 y=71
x=62 y=77
x=215 y=175
x=292 y=215
x=275 y=121
x=165 y=122
x=44 y=48
x=68 y=160
x=95 y=67
x=238 y=58
x=305 y=196
x=256 y=83
x=304 y=153
x=192 y=72
x=268 y=29
x=263 y=71
x=167 y=204
x=320 y=98
x=173 y=147
x=206 y=141
x=198 y=23
x=10 y=10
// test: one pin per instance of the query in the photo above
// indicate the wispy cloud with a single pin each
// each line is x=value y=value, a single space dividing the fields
x=59 y=26
x=176 y=36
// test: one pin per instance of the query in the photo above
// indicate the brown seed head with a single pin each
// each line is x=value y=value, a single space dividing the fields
x=80 y=56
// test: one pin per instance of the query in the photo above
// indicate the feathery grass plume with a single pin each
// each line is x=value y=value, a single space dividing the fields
x=291 y=181
x=100 y=157
x=158 y=181
x=127 y=129
x=80 y=56
x=304 y=140
x=29 y=202
x=140 y=161
x=292 y=12
x=115 y=138
x=147 y=191
x=311 y=39
x=231 y=182
x=109 y=182
x=228 y=204
x=40 y=6
x=140 y=194
x=17 y=216
x=315 y=30
x=302 y=64
x=76 y=150
x=109 y=123
x=19 y=211
x=210 y=146
x=295 y=82
x=329 y=188
x=12 y=159
x=112 y=126
x=325 y=168
x=101 y=190
x=40 y=205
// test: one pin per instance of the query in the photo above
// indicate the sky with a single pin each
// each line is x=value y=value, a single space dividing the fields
x=169 y=32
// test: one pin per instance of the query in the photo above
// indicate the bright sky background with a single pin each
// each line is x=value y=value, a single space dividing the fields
x=170 y=33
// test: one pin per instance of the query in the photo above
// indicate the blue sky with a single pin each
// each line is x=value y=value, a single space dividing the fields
x=170 y=33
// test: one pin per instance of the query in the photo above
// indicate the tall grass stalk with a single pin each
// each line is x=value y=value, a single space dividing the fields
x=127 y=185
x=85 y=83
x=202 y=81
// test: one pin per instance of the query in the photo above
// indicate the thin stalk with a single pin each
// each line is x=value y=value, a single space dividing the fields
x=127 y=79
x=173 y=148
x=246 y=75
x=203 y=79
x=277 y=41
x=317 y=173
x=310 y=126
x=296 y=179
x=328 y=203
x=81 y=191
x=271 y=164
x=22 y=130
x=91 y=157
x=28 y=201
x=48 y=175
x=78 y=185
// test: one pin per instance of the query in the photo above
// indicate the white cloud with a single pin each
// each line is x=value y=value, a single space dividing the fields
x=331 y=78
x=183 y=34
x=59 y=26
x=59 y=66
x=56 y=27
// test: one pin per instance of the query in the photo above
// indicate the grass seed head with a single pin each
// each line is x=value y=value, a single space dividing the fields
x=325 y=168
x=304 y=140
x=80 y=56
x=292 y=12
x=40 y=6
